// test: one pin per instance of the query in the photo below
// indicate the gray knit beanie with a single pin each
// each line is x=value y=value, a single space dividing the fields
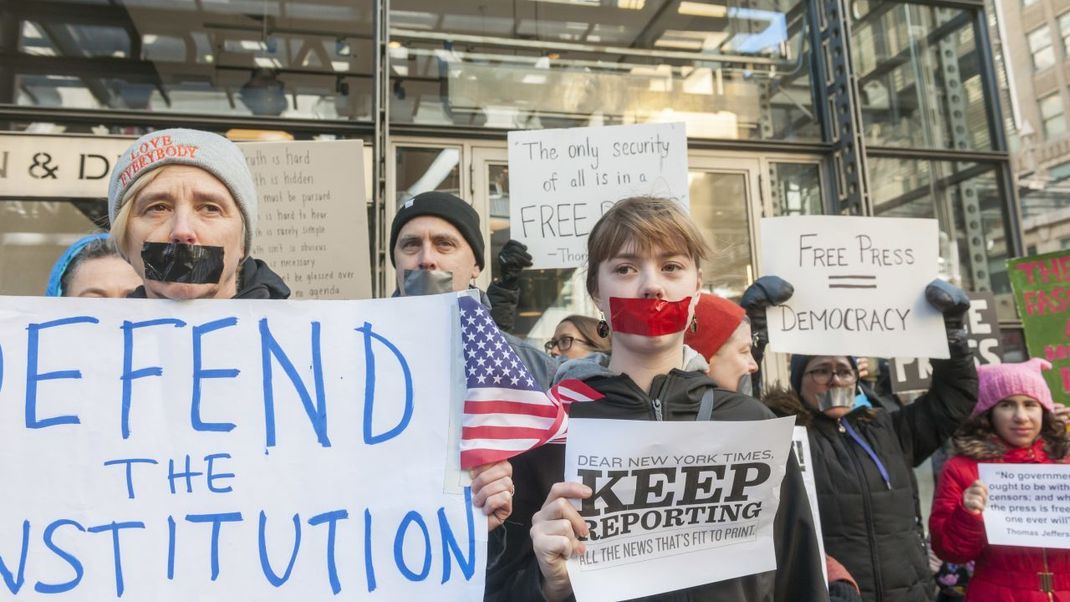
x=211 y=152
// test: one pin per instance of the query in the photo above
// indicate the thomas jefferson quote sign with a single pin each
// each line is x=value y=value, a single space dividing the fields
x=859 y=286
x=562 y=181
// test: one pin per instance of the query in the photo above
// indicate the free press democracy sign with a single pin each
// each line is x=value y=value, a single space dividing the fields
x=223 y=450
x=859 y=286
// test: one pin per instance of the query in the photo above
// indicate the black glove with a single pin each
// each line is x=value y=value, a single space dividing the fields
x=512 y=259
x=953 y=302
x=765 y=292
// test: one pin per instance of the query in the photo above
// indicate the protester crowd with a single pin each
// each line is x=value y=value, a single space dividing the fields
x=182 y=225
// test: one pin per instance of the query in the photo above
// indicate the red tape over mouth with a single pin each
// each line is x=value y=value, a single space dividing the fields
x=648 y=317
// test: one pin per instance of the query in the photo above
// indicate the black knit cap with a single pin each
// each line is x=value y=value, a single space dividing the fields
x=446 y=206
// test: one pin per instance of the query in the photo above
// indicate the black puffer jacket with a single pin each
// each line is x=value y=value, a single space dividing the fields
x=255 y=281
x=875 y=528
x=513 y=573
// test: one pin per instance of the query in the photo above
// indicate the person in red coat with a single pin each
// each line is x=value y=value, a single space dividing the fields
x=1016 y=422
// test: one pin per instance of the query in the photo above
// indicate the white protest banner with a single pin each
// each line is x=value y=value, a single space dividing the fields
x=801 y=446
x=859 y=286
x=694 y=502
x=313 y=217
x=1028 y=504
x=231 y=450
x=562 y=181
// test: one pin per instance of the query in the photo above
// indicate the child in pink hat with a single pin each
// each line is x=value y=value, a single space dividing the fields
x=1014 y=422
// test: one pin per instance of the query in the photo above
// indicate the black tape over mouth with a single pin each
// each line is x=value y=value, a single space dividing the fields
x=182 y=263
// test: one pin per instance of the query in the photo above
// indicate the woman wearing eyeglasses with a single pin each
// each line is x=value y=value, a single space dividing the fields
x=863 y=458
x=576 y=337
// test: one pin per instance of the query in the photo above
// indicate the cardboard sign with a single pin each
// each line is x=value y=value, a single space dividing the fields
x=1042 y=292
x=694 y=502
x=232 y=450
x=313 y=226
x=562 y=181
x=859 y=286
x=46 y=166
x=982 y=327
x=1028 y=504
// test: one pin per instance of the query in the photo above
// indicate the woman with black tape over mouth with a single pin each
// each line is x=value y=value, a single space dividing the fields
x=183 y=210
x=644 y=275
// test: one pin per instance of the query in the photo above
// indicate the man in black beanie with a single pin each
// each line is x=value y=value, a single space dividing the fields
x=436 y=246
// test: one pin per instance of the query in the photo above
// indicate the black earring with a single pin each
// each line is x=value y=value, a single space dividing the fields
x=694 y=325
x=603 y=326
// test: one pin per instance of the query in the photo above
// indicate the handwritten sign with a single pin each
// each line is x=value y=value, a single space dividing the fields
x=1028 y=504
x=313 y=226
x=982 y=329
x=224 y=450
x=693 y=501
x=562 y=181
x=1042 y=290
x=859 y=286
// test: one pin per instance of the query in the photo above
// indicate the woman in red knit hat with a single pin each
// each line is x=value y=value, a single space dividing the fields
x=1013 y=422
x=722 y=336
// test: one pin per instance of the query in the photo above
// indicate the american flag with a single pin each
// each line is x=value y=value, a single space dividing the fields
x=506 y=412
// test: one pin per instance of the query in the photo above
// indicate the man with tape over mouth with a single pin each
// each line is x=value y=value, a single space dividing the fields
x=436 y=246
x=183 y=209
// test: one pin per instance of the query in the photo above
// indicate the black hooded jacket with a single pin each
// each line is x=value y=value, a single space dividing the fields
x=872 y=527
x=513 y=572
x=255 y=281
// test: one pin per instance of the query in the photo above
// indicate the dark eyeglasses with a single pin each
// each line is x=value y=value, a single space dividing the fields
x=824 y=376
x=563 y=343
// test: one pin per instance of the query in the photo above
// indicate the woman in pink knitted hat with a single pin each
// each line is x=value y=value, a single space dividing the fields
x=1014 y=422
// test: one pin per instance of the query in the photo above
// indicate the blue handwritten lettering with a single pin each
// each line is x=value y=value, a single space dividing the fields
x=331 y=518
x=188 y=475
x=369 y=567
x=32 y=377
x=200 y=374
x=449 y=542
x=317 y=413
x=129 y=374
x=369 y=387
x=217 y=520
x=14 y=584
x=59 y=588
x=399 y=547
x=212 y=476
x=265 y=563
x=115 y=528
x=129 y=462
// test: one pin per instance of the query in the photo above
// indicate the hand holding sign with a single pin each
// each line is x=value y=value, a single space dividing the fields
x=858 y=284
x=556 y=530
x=976 y=497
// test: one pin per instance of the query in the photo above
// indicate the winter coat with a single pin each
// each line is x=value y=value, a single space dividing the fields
x=1001 y=573
x=513 y=572
x=870 y=524
x=255 y=281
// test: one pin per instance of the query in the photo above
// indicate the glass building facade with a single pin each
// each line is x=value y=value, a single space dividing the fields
x=792 y=107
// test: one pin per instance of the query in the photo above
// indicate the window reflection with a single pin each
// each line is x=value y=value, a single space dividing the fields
x=919 y=76
x=964 y=198
x=728 y=72
x=291 y=58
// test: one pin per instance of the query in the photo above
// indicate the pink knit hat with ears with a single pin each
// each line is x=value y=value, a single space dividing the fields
x=1000 y=381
